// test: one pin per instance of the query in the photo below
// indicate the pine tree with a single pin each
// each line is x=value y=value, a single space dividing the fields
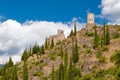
x=25 y=72
x=52 y=43
x=107 y=36
x=96 y=39
x=75 y=28
x=53 y=75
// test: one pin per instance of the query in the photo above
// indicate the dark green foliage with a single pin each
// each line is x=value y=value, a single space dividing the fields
x=75 y=28
x=65 y=66
x=107 y=36
x=66 y=59
x=104 y=34
x=61 y=72
x=117 y=75
x=96 y=38
x=116 y=58
x=53 y=75
x=89 y=34
x=70 y=71
x=14 y=73
x=10 y=63
x=42 y=50
x=116 y=35
x=52 y=43
x=25 y=55
x=61 y=51
x=36 y=48
x=9 y=71
x=71 y=33
x=75 y=54
x=101 y=41
x=25 y=71
x=46 y=44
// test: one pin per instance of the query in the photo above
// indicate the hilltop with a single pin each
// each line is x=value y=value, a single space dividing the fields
x=91 y=53
x=94 y=63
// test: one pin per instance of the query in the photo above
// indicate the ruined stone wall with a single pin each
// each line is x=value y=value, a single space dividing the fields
x=57 y=38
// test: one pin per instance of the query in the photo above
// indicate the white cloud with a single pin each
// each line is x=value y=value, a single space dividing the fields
x=15 y=37
x=111 y=9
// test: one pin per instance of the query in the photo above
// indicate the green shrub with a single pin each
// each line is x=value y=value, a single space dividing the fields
x=89 y=33
x=88 y=50
x=98 y=53
x=105 y=48
x=102 y=59
x=84 y=46
x=39 y=73
x=117 y=35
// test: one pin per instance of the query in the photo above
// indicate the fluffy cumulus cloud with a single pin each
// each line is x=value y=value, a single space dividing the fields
x=111 y=9
x=15 y=37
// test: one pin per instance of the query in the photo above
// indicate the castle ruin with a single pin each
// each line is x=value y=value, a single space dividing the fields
x=58 y=37
x=90 y=21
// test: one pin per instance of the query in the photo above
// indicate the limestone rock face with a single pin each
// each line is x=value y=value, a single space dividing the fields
x=58 y=37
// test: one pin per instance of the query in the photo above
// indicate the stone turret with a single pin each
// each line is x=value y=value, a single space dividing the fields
x=90 y=21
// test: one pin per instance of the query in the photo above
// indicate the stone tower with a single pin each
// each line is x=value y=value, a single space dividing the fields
x=90 y=21
x=90 y=18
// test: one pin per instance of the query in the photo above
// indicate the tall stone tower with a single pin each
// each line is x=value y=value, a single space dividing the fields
x=90 y=21
x=90 y=18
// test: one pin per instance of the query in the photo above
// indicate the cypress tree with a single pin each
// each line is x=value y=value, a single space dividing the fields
x=107 y=36
x=73 y=51
x=14 y=73
x=25 y=72
x=52 y=43
x=65 y=66
x=25 y=55
x=104 y=34
x=61 y=72
x=96 y=40
x=75 y=28
x=46 y=44
x=10 y=63
x=53 y=75
x=75 y=54
x=61 y=51
x=70 y=71
x=71 y=33
x=42 y=50
x=101 y=42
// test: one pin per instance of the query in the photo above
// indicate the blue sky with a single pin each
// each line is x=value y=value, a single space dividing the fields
x=24 y=22
x=50 y=10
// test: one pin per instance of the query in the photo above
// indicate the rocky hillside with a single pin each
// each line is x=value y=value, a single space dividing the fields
x=94 y=63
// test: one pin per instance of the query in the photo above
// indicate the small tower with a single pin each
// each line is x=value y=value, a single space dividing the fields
x=90 y=21
x=90 y=18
